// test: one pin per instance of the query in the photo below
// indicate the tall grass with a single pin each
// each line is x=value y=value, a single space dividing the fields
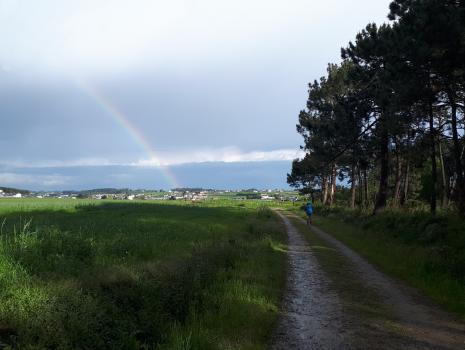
x=138 y=275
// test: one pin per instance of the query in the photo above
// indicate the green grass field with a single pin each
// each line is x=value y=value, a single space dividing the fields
x=179 y=275
x=138 y=275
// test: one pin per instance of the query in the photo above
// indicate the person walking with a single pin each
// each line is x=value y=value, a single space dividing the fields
x=309 y=212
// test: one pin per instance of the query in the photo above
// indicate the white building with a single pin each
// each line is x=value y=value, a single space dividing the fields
x=266 y=197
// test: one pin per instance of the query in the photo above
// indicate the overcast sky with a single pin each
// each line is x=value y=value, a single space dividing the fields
x=93 y=89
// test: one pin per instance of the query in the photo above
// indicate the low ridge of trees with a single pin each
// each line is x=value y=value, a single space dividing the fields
x=10 y=190
x=389 y=119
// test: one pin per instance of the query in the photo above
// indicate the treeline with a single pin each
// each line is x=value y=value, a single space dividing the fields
x=10 y=190
x=101 y=190
x=389 y=119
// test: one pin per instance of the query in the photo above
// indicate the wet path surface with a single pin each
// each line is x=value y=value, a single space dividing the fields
x=312 y=316
x=421 y=324
x=315 y=317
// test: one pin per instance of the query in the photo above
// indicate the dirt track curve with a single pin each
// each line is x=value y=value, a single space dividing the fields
x=314 y=315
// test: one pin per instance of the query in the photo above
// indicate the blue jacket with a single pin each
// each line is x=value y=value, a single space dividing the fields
x=309 y=208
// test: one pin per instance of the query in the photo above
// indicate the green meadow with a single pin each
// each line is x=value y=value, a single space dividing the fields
x=87 y=274
x=139 y=275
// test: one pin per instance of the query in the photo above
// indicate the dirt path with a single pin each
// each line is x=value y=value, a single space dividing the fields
x=407 y=320
x=312 y=314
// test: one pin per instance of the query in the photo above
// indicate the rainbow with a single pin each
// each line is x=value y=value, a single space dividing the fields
x=125 y=123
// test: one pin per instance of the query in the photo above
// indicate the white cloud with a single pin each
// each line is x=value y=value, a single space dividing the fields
x=225 y=154
x=99 y=35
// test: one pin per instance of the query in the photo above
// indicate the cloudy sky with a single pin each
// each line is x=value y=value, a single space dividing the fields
x=158 y=93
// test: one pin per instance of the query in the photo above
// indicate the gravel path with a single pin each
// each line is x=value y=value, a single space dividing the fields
x=312 y=312
x=312 y=316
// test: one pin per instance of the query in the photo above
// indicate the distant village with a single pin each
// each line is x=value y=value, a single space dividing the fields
x=175 y=194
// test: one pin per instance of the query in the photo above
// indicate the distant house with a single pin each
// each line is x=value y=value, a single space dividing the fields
x=265 y=197
x=18 y=195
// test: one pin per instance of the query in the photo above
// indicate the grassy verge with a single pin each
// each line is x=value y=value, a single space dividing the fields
x=426 y=252
x=107 y=275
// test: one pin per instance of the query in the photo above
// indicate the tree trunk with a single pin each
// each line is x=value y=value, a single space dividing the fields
x=381 y=198
x=324 y=192
x=352 y=187
x=445 y=184
x=396 y=201
x=404 y=197
x=457 y=156
x=434 y=175
x=360 y=185
x=365 y=181
x=454 y=191
x=332 y=189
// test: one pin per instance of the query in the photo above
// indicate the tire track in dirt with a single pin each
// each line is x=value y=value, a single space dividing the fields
x=312 y=316
x=419 y=323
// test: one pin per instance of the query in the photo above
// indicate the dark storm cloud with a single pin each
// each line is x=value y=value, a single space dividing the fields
x=208 y=175
x=185 y=79
x=58 y=122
